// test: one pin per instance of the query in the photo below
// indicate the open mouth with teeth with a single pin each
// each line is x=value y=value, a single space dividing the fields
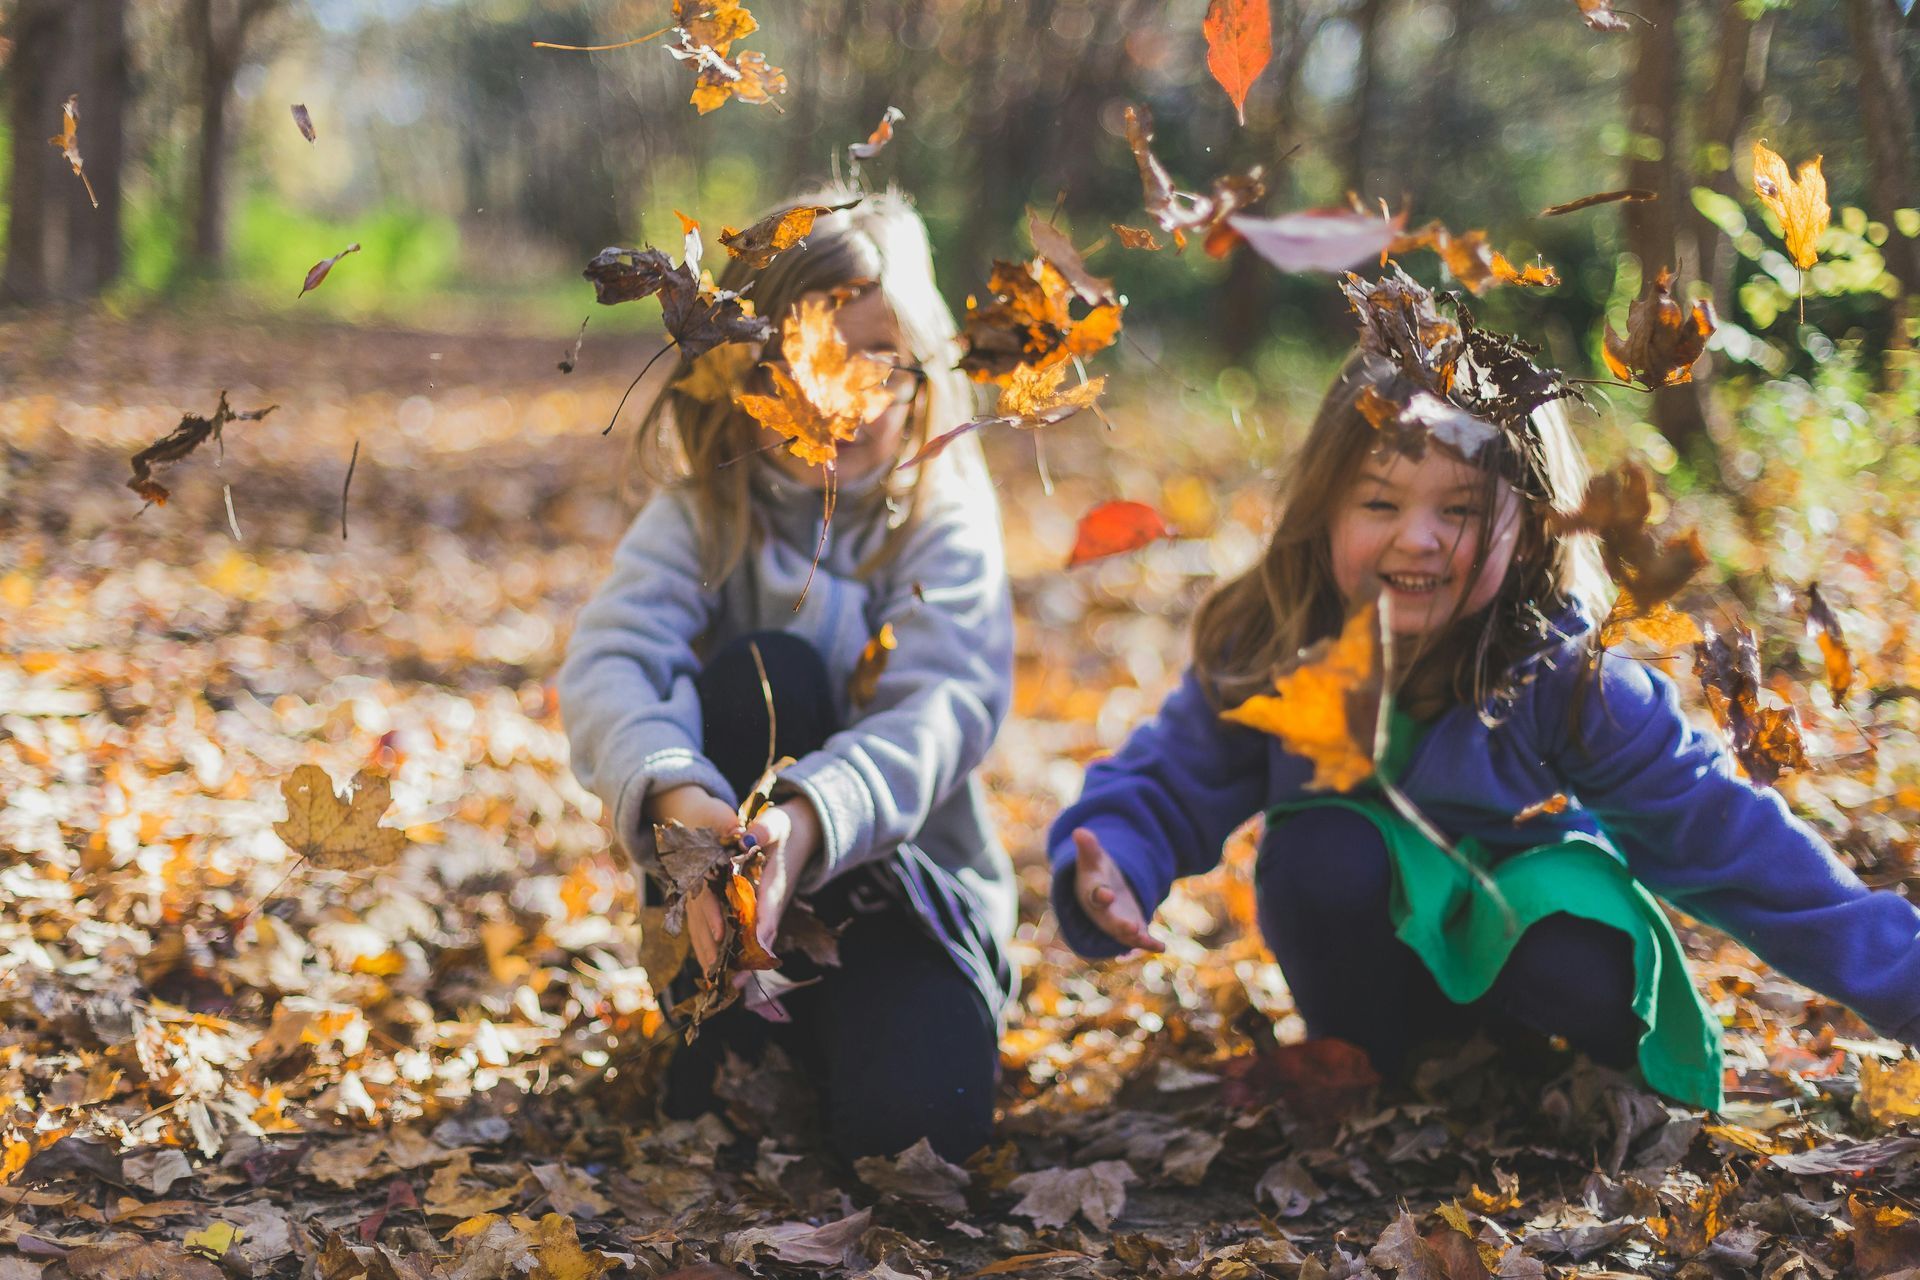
x=1414 y=584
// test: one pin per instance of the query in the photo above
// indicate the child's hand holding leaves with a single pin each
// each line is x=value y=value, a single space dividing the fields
x=697 y=809
x=788 y=834
x=1105 y=895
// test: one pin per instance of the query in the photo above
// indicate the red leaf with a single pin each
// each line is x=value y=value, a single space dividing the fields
x=318 y=271
x=1239 y=46
x=1114 y=527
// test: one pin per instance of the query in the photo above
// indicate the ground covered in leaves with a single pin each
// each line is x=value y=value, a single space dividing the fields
x=216 y=1062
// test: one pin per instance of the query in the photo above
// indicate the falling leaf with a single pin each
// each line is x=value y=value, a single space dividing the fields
x=865 y=680
x=1632 y=195
x=823 y=396
x=1135 y=237
x=750 y=77
x=1319 y=239
x=1471 y=260
x=1113 y=528
x=336 y=836
x=774 y=234
x=1833 y=644
x=1030 y=322
x=304 y=121
x=1663 y=338
x=1325 y=705
x=877 y=140
x=718 y=373
x=697 y=319
x=68 y=140
x=192 y=432
x=692 y=249
x=1239 y=46
x=1051 y=1197
x=572 y=357
x=715 y=24
x=1555 y=803
x=1798 y=201
x=1050 y=243
x=1600 y=15
x=1765 y=740
x=1179 y=213
x=1617 y=507
x=318 y=271
x=1031 y=399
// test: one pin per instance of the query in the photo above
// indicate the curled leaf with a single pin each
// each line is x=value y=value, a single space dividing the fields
x=1113 y=528
x=1766 y=740
x=192 y=432
x=1825 y=627
x=1135 y=237
x=865 y=680
x=1631 y=195
x=303 y=121
x=877 y=140
x=774 y=234
x=1179 y=212
x=1617 y=507
x=1320 y=239
x=1663 y=340
x=318 y=271
x=68 y=140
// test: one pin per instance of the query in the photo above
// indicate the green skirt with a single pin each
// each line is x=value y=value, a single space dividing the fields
x=1460 y=932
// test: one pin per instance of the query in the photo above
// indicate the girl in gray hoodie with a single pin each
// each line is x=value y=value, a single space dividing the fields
x=879 y=824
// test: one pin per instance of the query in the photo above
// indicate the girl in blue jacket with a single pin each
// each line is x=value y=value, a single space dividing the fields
x=1382 y=936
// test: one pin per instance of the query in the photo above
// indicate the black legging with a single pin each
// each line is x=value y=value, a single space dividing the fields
x=899 y=1040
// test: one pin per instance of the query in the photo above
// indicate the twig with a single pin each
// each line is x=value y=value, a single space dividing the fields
x=233 y=521
x=600 y=48
x=766 y=693
x=636 y=382
x=352 y=462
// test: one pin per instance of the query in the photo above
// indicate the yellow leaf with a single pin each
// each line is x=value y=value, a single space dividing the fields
x=216 y=1239
x=823 y=396
x=1324 y=708
x=1799 y=201
x=340 y=837
x=865 y=680
x=718 y=373
x=561 y=1257
x=1890 y=1091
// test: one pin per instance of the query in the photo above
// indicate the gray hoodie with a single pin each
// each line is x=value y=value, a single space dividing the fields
x=895 y=785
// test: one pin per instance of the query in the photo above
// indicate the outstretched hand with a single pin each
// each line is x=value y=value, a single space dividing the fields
x=1105 y=895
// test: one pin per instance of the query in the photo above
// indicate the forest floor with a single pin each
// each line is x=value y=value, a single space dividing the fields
x=437 y=1070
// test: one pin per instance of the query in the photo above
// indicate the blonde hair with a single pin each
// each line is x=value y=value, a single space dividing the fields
x=705 y=447
x=1252 y=625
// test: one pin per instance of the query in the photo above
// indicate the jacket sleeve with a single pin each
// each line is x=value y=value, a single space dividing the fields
x=627 y=686
x=1162 y=807
x=1705 y=839
x=939 y=702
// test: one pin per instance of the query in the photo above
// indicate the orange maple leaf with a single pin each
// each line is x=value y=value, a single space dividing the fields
x=1326 y=706
x=1030 y=322
x=822 y=396
x=1663 y=340
x=1799 y=201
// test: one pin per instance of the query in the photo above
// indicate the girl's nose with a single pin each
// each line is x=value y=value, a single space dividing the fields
x=1417 y=533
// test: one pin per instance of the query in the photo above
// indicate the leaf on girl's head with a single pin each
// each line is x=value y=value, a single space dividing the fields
x=1631 y=195
x=1135 y=237
x=1399 y=320
x=68 y=140
x=304 y=122
x=1178 y=212
x=318 y=271
x=774 y=234
x=1472 y=261
x=718 y=373
x=823 y=396
x=1555 y=803
x=336 y=836
x=1239 y=45
x=1616 y=507
x=1030 y=322
x=1319 y=239
x=1053 y=245
x=1765 y=740
x=1325 y=706
x=877 y=140
x=745 y=903
x=1663 y=338
x=865 y=680
x=192 y=432
x=1115 y=527
x=1407 y=426
x=1833 y=644
x=1799 y=201
x=1029 y=399
x=1600 y=15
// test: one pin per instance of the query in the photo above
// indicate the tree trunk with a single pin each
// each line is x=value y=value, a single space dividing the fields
x=1652 y=226
x=1887 y=110
x=93 y=235
x=1740 y=72
x=1361 y=122
x=217 y=34
x=33 y=27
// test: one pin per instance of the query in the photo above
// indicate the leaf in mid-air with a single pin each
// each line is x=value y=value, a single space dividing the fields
x=1030 y=321
x=318 y=271
x=1030 y=397
x=1766 y=740
x=1825 y=627
x=192 y=432
x=1799 y=200
x=1663 y=337
x=1113 y=528
x=1600 y=15
x=1617 y=507
x=1180 y=213
x=1630 y=195
x=774 y=234
x=337 y=836
x=68 y=140
x=823 y=395
x=877 y=140
x=1325 y=706
x=1319 y=239
x=1239 y=46
x=303 y=121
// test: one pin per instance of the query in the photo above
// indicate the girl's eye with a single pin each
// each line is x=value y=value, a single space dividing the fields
x=1463 y=512
x=1377 y=504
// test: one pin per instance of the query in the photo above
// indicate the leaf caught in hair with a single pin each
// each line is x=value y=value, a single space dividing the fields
x=823 y=396
x=718 y=373
x=192 y=432
x=877 y=140
x=865 y=680
x=1600 y=15
x=1325 y=705
x=303 y=121
x=1799 y=201
x=1239 y=45
x=1030 y=398
x=1135 y=237
x=1663 y=338
x=1833 y=644
x=1472 y=261
x=1116 y=527
x=336 y=836
x=1631 y=195
x=1180 y=213
x=1052 y=244
x=318 y=271
x=1030 y=322
x=774 y=234
x=1555 y=803
x=1319 y=239
x=1766 y=740
x=1617 y=507
x=68 y=140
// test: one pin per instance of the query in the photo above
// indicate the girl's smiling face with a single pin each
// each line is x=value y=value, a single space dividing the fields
x=1412 y=531
x=867 y=325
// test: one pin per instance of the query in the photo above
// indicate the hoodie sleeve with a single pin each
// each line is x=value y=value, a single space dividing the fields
x=1705 y=839
x=1162 y=807
x=627 y=686
x=938 y=704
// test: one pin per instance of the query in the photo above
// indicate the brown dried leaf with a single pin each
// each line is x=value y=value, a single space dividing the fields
x=68 y=140
x=774 y=234
x=303 y=120
x=1663 y=338
x=192 y=432
x=1052 y=244
x=336 y=836
x=1135 y=237
x=1630 y=195
x=872 y=665
x=1178 y=212
x=1051 y=1197
x=318 y=271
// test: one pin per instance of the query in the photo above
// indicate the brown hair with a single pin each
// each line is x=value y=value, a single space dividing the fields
x=1252 y=625
x=685 y=442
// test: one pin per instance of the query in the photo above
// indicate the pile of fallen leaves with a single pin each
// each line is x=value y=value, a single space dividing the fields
x=425 y=1047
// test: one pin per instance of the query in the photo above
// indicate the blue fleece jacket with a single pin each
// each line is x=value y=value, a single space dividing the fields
x=1669 y=799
